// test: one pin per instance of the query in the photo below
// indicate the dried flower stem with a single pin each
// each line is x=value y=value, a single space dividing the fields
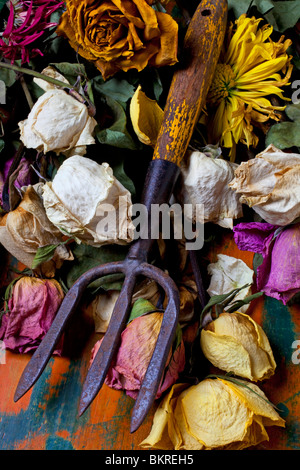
x=33 y=73
x=69 y=88
x=26 y=92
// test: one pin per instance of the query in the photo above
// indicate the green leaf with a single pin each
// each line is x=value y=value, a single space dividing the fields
x=222 y=299
x=293 y=112
x=242 y=6
x=43 y=254
x=257 y=261
x=8 y=292
x=284 y=15
x=117 y=134
x=280 y=14
x=2 y=3
x=239 y=303
x=286 y=134
x=8 y=76
x=119 y=90
x=2 y=144
x=70 y=71
x=141 y=307
x=119 y=173
x=87 y=257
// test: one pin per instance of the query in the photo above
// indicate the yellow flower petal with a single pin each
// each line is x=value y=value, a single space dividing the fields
x=146 y=117
x=256 y=401
x=159 y=437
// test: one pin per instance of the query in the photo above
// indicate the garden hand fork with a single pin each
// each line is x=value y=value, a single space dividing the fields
x=186 y=98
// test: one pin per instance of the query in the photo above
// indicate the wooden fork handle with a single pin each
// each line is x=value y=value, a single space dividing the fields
x=192 y=79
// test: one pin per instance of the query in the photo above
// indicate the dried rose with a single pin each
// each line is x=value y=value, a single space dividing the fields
x=31 y=310
x=235 y=343
x=230 y=273
x=216 y=414
x=205 y=182
x=278 y=275
x=86 y=201
x=27 y=228
x=120 y=35
x=57 y=122
x=269 y=183
x=138 y=341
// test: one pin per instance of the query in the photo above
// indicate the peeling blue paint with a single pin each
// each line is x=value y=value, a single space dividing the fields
x=277 y=322
x=58 y=443
x=59 y=413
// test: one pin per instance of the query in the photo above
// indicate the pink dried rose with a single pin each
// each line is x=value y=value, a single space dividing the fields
x=138 y=341
x=26 y=23
x=31 y=310
x=279 y=274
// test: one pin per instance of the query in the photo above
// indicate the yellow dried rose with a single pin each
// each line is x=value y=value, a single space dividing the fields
x=215 y=414
x=235 y=343
x=120 y=34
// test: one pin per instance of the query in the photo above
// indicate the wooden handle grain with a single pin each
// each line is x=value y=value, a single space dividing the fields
x=192 y=79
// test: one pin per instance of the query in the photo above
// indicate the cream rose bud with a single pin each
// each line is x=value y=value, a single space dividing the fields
x=235 y=343
x=205 y=182
x=57 y=122
x=86 y=201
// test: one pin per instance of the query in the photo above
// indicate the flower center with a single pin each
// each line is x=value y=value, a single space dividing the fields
x=222 y=84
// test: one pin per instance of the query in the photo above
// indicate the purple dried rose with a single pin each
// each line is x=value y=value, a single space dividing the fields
x=31 y=310
x=27 y=22
x=279 y=274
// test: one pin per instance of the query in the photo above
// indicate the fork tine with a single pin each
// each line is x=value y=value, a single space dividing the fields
x=41 y=356
x=100 y=365
x=152 y=378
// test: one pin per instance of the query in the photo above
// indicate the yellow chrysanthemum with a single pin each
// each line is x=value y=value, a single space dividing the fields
x=251 y=67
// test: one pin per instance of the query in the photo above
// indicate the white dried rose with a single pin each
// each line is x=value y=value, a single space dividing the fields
x=86 y=201
x=57 y=122
x=230 y=273
x=205 y=181
x=270 y=184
